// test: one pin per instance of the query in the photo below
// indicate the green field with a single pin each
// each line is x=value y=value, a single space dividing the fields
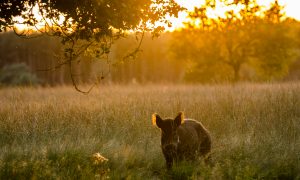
x=52 y=133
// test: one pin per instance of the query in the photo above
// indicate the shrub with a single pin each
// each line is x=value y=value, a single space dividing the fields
x=18 y=75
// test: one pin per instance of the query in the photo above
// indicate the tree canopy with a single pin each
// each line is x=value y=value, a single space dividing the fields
x=86 y=26
x=88 y=18
x=248 y=37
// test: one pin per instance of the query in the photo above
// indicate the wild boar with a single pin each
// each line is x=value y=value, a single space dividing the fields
x=182 y=139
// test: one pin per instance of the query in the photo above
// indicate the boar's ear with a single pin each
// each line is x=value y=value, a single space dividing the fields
x=179 y=119
x=156 y=120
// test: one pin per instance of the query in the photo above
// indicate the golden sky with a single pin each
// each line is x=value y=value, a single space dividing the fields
x=292 y=9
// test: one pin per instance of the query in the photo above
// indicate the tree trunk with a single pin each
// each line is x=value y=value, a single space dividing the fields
x=236 y=71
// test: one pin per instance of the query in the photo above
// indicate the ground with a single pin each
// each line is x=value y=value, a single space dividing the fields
x=55 y=133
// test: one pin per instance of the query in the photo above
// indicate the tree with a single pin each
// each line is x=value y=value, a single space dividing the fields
x=246 y=36
x=85 y=26
x=274 y=52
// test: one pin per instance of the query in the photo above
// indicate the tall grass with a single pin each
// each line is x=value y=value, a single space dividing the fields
x=52 y=133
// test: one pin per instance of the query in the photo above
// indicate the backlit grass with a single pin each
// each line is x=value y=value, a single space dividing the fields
x=53 y=133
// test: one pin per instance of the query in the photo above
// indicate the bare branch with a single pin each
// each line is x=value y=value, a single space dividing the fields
x=136 y=50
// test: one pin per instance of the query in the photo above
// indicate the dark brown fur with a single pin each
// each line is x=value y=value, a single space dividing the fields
x=182 y=139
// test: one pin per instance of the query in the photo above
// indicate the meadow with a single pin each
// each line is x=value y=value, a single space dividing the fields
x=54 y=133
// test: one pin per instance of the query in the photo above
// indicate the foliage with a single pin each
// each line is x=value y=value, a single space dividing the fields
x=275 y=50
x=88 y=19
x=248 y=42
x=86 y=25
x=17 y=75
x=53 y=133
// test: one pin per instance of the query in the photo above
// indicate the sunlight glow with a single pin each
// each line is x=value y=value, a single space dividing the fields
x=291 y=10
x=42 y=22
x=291 y=7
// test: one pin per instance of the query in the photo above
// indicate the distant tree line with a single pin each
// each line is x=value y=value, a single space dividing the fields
x=85 y=26
x=91 y=43
x=155 y=63
x=151 y=64
x=249 y=43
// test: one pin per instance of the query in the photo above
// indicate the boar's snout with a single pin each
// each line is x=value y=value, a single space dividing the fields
x=170 y=149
